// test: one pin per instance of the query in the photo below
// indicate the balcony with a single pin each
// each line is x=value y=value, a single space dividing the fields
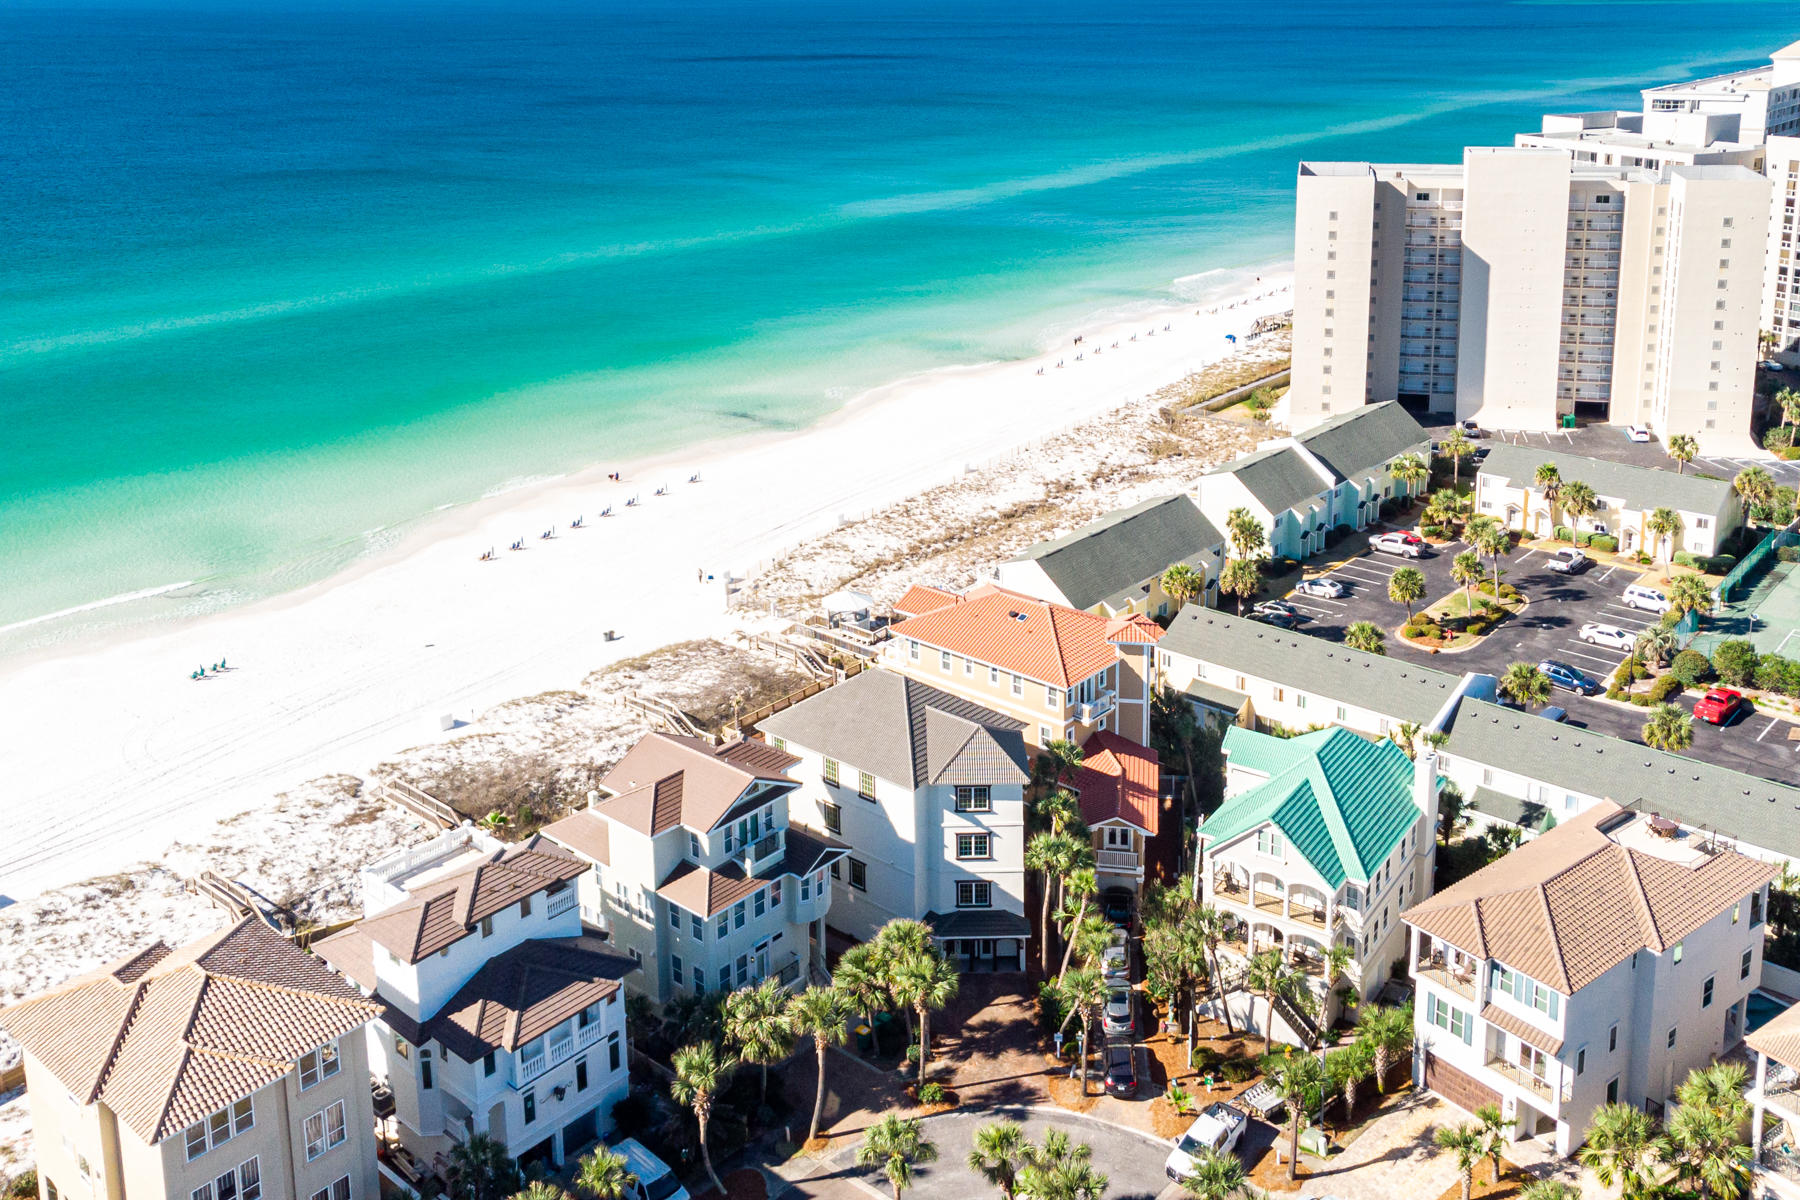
x=1087 y=712
x=1545 y=1091
x=768 y=847
x=1118 y=862
x=563 y=902
x=1455 y=977
x=1304 y=913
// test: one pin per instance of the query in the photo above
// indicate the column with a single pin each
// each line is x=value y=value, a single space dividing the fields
x=1756 y=1116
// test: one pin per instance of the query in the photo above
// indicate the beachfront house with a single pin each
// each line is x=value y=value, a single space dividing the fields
x=1774 y=1096
x=1064 y=673
x=1322 y=840
x=695 y=869
x=926 y=790
x=1597 y=964
x=501 y=1017
x=1506 y=489
x=1113 y=567
x=1136 y=831
x=231 y=1068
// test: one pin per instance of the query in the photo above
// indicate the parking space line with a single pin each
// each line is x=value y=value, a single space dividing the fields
x=1610 y=662
x=1765 y=733
x=1608 y=574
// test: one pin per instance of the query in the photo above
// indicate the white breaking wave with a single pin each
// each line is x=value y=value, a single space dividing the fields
x=110 y=601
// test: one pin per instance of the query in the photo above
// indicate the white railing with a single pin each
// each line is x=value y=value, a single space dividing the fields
x=562 y=903
x=587 y=1035
x=1118 y=860
x=531 y=1068
x=1089 y=712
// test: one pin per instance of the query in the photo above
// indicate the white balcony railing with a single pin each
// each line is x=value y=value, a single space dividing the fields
x=1119 y=860
x=563 y=902
x=1088 y=712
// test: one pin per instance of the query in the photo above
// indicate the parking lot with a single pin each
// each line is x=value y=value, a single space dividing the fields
x=1548 y=628
x=1610 y=443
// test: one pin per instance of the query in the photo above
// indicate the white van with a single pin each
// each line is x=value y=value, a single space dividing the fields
x=655 y=1180
x=1646 y=598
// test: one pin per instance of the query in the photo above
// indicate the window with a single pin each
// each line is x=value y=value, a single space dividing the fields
x=1744 y=965
x=993 y=674
x=320 y=1064
x=974 y=799
x=1525 y=990
x=1612 y=1038
x=1268 y=841
x=1445 y=1016
x=743 y=969
x=832 y=815
x=972 y=845
x=324 y=1129
x=1612 y=1091
x=912 y=650
x=612 y=1042
x=675 y=969
x=968 y=666
x=487 y=927
x=488 y=1065
x=972 y=894
x=696 y=927
x=778 y=742
x=425 y=1070
x=1044 y=738
x=1052 y=697
x=761 y=901
x=737 y=915
x=831 y=771
x=674 y=916
x=1018 y=685
x=1581 y=1060
x=1706 y=993
x=249 y=1179
x=944 y=659
x=806 y=887
x=530 y=1105
x=859 y=875
x=1676 y=956
x=1756 y=909
x=525 y=908
x=725 y=978
x=865 y=785
x=581 y=1078
x=774 y=892
x=219 y=1128
x=1670 y=1041
x=723 y=926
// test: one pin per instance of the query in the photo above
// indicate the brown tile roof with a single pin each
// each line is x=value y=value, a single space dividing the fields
x=1566 y=907
x=586 y=833
x=708 y=892
x=1780 y=1038
x=529 y=989
x=1522 y=1029
x=1118 y=780
x=1049 y=643
x=444 y=911
x=166 y=1037
x=920 y=599
x=665 y=781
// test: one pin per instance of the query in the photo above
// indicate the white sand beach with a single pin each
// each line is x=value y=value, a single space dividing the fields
x=113 y=753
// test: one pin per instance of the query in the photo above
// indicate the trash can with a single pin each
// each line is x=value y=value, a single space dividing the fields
x=1568 y=421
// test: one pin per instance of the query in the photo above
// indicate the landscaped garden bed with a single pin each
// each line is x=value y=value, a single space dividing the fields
x=1463 y=618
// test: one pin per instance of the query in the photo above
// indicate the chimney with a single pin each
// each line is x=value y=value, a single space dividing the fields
x=1425 y=792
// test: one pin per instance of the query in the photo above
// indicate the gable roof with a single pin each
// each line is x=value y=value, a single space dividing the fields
x=165 y=1037
x=899 y=729
x=1313 y=665
x=1279 y=477
x=666 y=780
x=1111 y=560
x=1642 y=488
x=922 y=598
x=1364 y=439
x=446 y=910
x=1119 y=780
x=709 y=892
x=584 y=832
x=1343 y=801
x=522 y=993
x=1780 y=1037
x=1569 y=905
x=1050 y=643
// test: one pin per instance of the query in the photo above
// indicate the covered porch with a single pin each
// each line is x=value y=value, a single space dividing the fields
x=982 y=940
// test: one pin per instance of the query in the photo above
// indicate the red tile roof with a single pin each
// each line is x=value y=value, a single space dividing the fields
x=1049 y=643
x=1119 y=780
x=1135 y=630
x=920 y=599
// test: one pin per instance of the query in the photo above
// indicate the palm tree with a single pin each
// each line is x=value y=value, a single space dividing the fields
x=1549 y=481
x=1059 y=759
x=1208 y=925
x=1079 y=883
x=1682 y=448
x=1059 y=808
x=861 y=980
x=1707 y=1151
x=1493 y=1127
x=1241 y=577
x=756 y=1025
x=895 y=943
x=1549 y=1189
x=1620 y=1149
x=1060 y=1169
x=1754 y=486
x=1244 y=532
x=698 y=1074
x=1216 y=1176
x=1668 y=729
x=1406 y=586
x=1365 y=636
x=481 y=1169
x=895 y=1146
x=999 y=1151
x=1492 y=539
x=1665 y=525
x=1525 y=685
x=927 y=981
x=1181 y=583
x=1466 y=1142
x=1446 y=507
x=1718 y=1088
x=1465 y=572
x=1410 y=470
x=605 y=1175
x=1051 y=855
x=541 y=1189
x=494 y=822
x=1083 y=991
x=1268 y=975
x=1296 y=1078
x=1654 y=643
x=1346 y=1067
x=1388 y=1031
x=819 y=1013
x=1578 y=502
x=1690 y=592
x=1456 y=446
x=1789 y=400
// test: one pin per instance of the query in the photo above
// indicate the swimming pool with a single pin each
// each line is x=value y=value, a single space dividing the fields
x=1760 y=1009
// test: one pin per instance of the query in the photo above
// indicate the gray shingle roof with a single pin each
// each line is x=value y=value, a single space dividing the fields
x=1279 y=477
x=1697 y=794
x=1309 y=664
x=978 y=923
x=1112 y=557
x=1364 y=439
x=1640 y=487
x=1526 y=814
x=900 y=729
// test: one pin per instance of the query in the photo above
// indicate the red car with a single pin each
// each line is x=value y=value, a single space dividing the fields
x=1720 y=705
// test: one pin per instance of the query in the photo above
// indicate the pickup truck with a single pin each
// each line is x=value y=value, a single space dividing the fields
x=1569 y=561
x=1407 y=545
x=1218 y=1128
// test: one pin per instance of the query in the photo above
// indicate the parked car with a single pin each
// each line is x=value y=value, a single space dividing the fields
x=1553 y=713
x=1330 y=589
x=1613 y=637
x=1569 y=561
x=1121 y=1070
x=1637 y=433
x=1281 y=620
x=1116 y=904
x=655 y=1181
x=1117 y=1019
x=1276 y=606
x=1569 y=678
x=1646 y=598
x=1721 y=706
x=1470 y=429
x=1218 y=1128
x=1115 y=965
x=1770 y=364
x=1407 y=545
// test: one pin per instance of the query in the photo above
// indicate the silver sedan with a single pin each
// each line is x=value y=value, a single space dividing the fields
x=1612 y=636
x=1330 y=589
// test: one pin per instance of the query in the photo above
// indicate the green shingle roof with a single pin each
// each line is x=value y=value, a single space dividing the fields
x=1364 y=439
x=1342 y=801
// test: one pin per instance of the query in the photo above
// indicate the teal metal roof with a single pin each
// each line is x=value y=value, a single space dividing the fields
x=1342 y=801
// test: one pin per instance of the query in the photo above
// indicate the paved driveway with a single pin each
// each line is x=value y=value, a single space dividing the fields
x=1395 y=1157
x=1132 y=1162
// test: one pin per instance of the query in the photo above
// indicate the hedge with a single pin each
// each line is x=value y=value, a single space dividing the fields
x=1777 y=674
x=1431 y=531
x=1664 y=687
x=1788 y=554
x=1686 y=558
x=1562 y=533
x=1720 y=564
x=1691 y=667
x=1605 y=543
x=1735 y=662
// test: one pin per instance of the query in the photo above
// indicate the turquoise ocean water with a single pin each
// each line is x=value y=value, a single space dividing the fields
x=278 y=283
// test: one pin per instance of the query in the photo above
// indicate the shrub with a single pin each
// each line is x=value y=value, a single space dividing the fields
x=1639 y=672
x=1239 y=1070
x=24 y=1185
x=1664 y=687
x=1615 y=690
x=1207 y=1060
x=1719 y=564
x=1052 y=1012
x=1584 y=539
x=1508 y=592
x=1605 y=543
x=1685 y=558
x=1641 y=700
x=1431 y=531
x=932 y=1093
x=1788 y=554
x=1475 y=627
x=1735 y=662
x=1691 y=667
x=1777 y=674
x=1788 y=453
x=1778 y=438
x=631 y=1114
x=1562 y=533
